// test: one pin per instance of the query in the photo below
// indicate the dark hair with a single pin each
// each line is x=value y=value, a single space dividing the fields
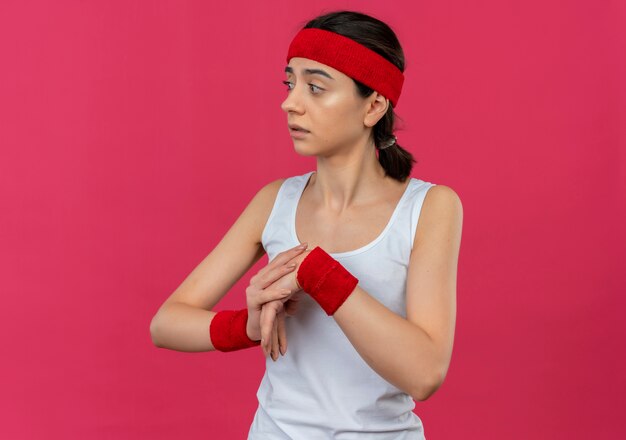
x=377 y=36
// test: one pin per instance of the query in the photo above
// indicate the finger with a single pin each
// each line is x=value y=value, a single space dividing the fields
x=287 y=255
x=278 y=310
x=267 y=324
x=275 y=352
x=282 y=333
x=261 y=321
x=273 y=275
x=289 y=272
x=268 y=274
x=275 y=349
x=273 y=294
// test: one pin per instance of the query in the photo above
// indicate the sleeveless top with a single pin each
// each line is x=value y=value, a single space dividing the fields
x=322 y=388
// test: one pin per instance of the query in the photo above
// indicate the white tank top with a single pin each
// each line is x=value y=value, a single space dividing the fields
x=322 y=388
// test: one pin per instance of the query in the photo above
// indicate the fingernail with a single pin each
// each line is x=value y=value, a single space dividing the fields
x=303 y=246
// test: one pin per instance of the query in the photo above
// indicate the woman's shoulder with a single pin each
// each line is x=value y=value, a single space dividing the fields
x=255 y=214
x=441 y=208
x=440 y=199
x=443 y=194
x=269 y=191
x=265 y=197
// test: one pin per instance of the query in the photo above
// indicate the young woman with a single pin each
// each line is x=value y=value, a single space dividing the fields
x=369 y=308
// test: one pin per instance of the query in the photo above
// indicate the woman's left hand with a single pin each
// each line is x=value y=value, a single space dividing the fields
x=273 y=313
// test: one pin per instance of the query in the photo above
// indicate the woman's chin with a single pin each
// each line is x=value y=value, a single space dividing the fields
x=303 y=148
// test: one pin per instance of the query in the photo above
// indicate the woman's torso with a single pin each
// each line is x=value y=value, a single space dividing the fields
x=355 y=227
x=322 y=388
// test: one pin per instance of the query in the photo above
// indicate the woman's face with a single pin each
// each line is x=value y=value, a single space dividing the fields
x=329 y=107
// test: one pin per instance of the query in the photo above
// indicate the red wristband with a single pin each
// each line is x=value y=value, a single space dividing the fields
x=228 y=330
x=326 y=280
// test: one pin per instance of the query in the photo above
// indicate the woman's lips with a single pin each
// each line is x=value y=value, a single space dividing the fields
x=298 y=134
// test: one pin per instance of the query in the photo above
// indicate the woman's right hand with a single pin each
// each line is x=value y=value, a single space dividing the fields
x=257 y=294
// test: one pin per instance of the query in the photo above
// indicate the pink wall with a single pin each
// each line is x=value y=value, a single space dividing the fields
x=132 y=134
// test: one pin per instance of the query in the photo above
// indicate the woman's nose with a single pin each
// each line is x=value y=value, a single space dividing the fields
x=292 y=103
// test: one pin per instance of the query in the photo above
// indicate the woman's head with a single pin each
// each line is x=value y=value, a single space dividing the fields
x=338 y=110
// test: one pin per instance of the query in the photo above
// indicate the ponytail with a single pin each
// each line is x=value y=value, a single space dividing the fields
x=395 y=160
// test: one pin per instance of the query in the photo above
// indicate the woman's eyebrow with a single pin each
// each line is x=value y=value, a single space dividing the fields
x=288 y=69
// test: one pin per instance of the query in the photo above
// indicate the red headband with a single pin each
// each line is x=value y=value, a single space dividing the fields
x=349 y=57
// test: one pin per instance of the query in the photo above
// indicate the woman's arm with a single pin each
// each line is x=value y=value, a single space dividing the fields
x=414 y=353
x=182 y=322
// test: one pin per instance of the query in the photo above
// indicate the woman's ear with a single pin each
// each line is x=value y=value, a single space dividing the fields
x=377 y=106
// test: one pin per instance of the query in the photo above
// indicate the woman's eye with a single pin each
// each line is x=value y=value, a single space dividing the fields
x=288 y=84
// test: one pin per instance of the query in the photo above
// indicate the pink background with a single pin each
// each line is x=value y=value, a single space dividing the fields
x=132 y=135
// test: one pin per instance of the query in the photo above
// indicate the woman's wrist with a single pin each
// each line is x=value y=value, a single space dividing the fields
x=326 y=280
x=229 y=331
